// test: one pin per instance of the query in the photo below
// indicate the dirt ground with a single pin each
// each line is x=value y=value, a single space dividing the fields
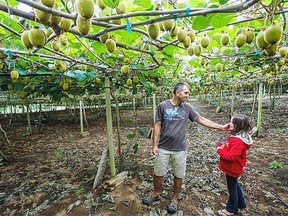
x=54 y=168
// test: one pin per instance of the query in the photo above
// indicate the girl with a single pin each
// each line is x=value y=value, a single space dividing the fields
x=233 y=160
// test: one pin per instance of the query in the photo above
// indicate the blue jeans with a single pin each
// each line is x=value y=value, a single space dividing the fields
x=236 y=199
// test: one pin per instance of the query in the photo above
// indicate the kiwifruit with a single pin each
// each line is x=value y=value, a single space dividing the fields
x=182 y=34
x=97 y=80
x=63 y=40
x=104 y=37
x=239 y=31
x=83 y=25
x=192 y=35
x=240 y=39
x=202 y=60
x=187 y=42
x=25 y=40
x=63 y=67
x=2 y=55
x=273 y=34
x=37 y=37
x=174 y=31
x=56 y=45
x=250 y=35
x=125 y=69
x=225 y=39
x=110 y=45
x=161 y=26
x=116 y=21
x=101 y=5
x=14 y=74
x=65 y=86
x=190 y=50
x=219 y=67
x=48 y=3
x=57 y=63
x=168 y=24
x=281 y=62
x=83 y=67
x=42 y=15
x=55 y=20
x=65 y=24
x=205 y=41
x=272 y=49
x=153 y=30
x=48 y=32
x=135 y=79
x=283 y=51
x=129 y=82
x=197 y=50
x=261 y=43
x=85 y=8
x=245 y=67
x=126 y=60
x=121 y=8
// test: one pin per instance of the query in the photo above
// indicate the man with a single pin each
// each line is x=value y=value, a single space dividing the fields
x=169 y=141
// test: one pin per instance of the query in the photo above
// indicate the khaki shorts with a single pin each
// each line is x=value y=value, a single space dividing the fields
x=177 y=159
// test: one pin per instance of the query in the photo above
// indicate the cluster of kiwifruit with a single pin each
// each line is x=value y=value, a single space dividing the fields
x=242 y=36
x=85 y=10
x=187 y=38
x=33 y=37
x=125 y=70
x=65 y=82
x=268 y=39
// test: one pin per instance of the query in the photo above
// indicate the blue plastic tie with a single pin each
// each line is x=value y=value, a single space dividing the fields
x=175 y=17
x=258 y=52
x=152 y=52
x=128 y=26
x=8 y=52
x=187 y=10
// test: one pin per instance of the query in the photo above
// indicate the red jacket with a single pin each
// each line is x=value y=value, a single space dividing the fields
x=233 y=154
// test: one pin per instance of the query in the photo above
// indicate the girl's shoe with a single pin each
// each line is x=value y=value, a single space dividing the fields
x=224 y=212
x=149 y=200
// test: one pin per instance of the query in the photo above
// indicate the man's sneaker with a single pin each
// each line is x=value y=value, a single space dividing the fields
x=149 y=200
x=172 y=207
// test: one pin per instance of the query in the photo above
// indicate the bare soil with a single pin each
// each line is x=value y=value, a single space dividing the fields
x=54 y=168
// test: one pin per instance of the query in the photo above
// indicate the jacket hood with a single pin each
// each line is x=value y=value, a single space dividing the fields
x=245 y=137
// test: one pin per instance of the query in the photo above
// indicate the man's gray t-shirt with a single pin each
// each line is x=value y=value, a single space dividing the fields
x=174 y=124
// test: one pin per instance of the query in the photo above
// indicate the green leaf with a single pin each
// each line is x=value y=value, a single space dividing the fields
x=98 y=47
x=126 y=37
x=131 y=136
x=136 y=147
x=42 y=71
x=202 y=22
x=169 y=50
x=78 y=75
x=142 y=131
x=19 y=86
x=13 y=3
x=111 y=3
x=82 y=83
x=219 y=20
x=145 y=4
x=222 y=2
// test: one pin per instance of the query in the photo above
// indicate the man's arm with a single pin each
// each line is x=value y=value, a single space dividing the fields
x=208 y=123
x=156 y=135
